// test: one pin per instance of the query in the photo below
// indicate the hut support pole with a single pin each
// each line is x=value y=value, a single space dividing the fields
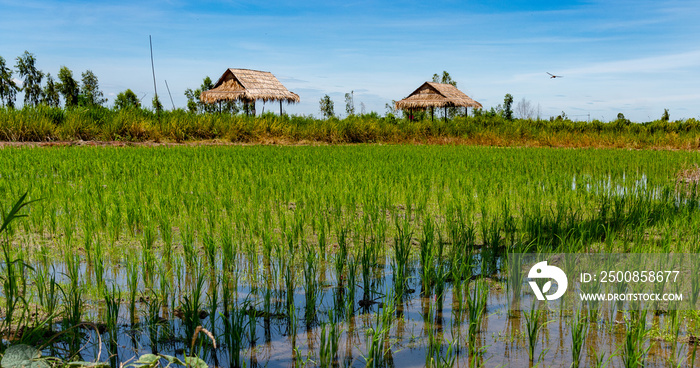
x=432 y=114
x=280 y=107
x=446 y=114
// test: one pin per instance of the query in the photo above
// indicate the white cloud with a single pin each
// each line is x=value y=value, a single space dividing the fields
x=652 y=64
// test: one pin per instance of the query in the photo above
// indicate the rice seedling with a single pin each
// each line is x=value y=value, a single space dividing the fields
x=350 y=295
x=234 y=332
x=378 y=349
x=368 y=257
x=112 y=302
x=476 y=309
x=579 y=331
x=311 y=285
x=329 y=342
x=427 y=259
x=402 y=255
x=633 y=350
x=533 y=327
x=132 y=282
x=191 y=307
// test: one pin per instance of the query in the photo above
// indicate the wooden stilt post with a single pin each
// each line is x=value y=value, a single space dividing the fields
x=446 y=113
x=280 y=107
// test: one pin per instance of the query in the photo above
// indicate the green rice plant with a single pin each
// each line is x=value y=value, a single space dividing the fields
x=98 y=263
x=476 y=304
x=228 y=251
x=213 y=303
x=533 y=327
x=674 y=326
x=579 y=331
x=252 y=326
x=73 y=305
x=434 y=343
x=311 y=285
x=329 y=342
x=51 y=300
x=368 y=258
x=191 y=306
x=289 y=277
x=350 y=295
x=292 y=324
x=210 y=249
x=341 y=257
x=449 y=359
x=427 y=258
x=13 y=275
x=402 y=254
x=234 y=332
x=132 y=282
x=166 y=235
x=187 y=233
x=377 y=353
x=112 y=302
x=598 y=360
x=14 y=289
x=633 y=350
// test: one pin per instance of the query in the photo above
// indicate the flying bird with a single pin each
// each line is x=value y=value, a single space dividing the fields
x=554 y=76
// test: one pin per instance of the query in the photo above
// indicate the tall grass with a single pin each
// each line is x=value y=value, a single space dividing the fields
x=51 y=124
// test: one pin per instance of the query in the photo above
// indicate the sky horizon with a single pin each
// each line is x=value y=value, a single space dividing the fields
x=632 y=57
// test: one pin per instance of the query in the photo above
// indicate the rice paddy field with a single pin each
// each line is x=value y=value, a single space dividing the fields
x=350 y=255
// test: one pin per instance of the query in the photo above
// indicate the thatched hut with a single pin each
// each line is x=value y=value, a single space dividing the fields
x=248 y=86
x=432 y=95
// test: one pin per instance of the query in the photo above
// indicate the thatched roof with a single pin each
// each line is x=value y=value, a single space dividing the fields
x=248 y=85
x=432 y=94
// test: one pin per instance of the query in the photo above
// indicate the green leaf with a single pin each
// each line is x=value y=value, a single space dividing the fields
x=172 y=359
x=21 y=356
x=195 y=362
x=7 y=218
x=148 y=359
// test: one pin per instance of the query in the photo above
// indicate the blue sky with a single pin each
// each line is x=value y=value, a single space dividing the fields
x=637 y=57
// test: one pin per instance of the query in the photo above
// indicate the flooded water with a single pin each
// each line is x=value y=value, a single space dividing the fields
x=253 y=327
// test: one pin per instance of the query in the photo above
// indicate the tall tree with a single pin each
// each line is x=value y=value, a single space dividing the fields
x=50 y=95
x=525 y=110
x=8 y=87
x=350 y=103
x=326 y=106
x=195 y=104
x=68 y=87
x=126 y=99
x=31 y=84
x=90 y=91
x=157 y=106
x=508 y=107
x=445 y=78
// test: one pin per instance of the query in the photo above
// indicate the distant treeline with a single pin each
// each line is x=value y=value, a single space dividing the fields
x=44 y=123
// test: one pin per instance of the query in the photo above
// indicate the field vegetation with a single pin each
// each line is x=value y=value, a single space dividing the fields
x=131 y=124
x=357 y=255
